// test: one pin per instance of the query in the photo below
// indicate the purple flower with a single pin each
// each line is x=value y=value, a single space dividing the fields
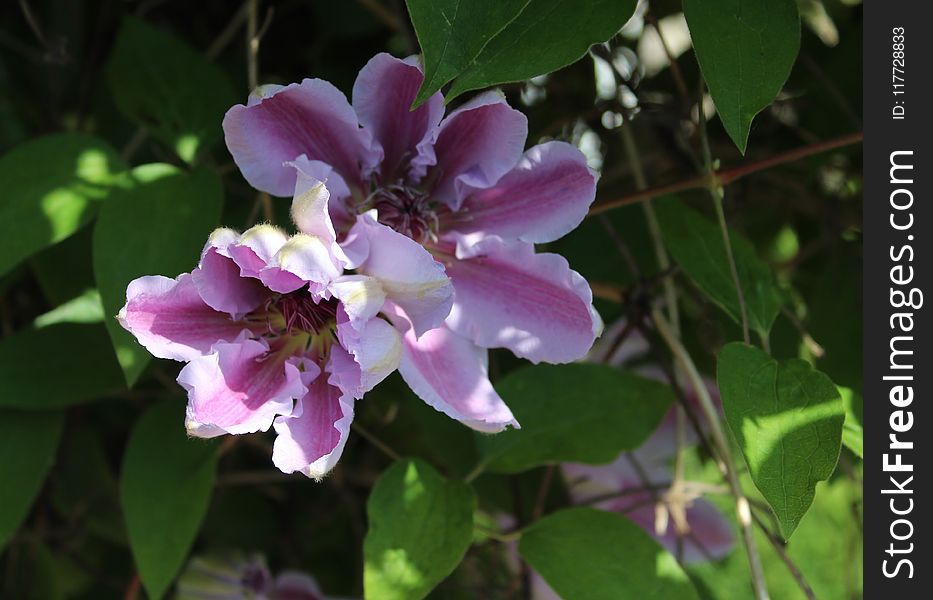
x=273 y=332
x=414 y=191
x=238 y=577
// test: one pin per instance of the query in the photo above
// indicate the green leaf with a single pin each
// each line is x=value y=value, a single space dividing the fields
x=168 y=87
x=746 y=49
x=852 y=427
x=85 y=308
x=420 y=526
x=156 y=226
x=165 y=489
x=696 y=244
x=57 y=366
x=588 y=554
x=51 y=187
x=787 y=418
x=27 y=447
x=573 y=413
x=484 y=43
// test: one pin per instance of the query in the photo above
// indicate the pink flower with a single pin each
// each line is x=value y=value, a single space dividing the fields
x=274 y=333
x=709 y=535
x=232 y=576
x=416 y=191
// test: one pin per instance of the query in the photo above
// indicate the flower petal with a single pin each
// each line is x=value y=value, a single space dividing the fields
x=311 y=440
x=475 y=145
x=376 y=349
x=311 y=213
x=533 y=304
x=382 y=97
x=170 y=319
x=543 y=198
x=311 y=118
x=409 y=275
x=256 y=247
x=710 y=537
x=361 y=296
x=449 y=373
x=239 y=388
x=303 y=259
x=219 y=279
x=292 y=585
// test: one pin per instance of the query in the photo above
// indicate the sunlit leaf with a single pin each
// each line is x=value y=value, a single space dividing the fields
x=166 y=86
x=588 y=554
x=156 y=226
x=484 y=43
x=420 y=526
x=852 y=428
x=585 y=413
x=28 y=441
x=746 y=49
x=57 y=366
x=85 y=308
x=52 y=186
x=165 y=489
x=787 y=419
x=696 y=244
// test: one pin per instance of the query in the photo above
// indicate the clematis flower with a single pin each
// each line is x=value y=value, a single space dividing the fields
x=232 y=576
x=671 y=516
x=418 y=194
x=274 y=334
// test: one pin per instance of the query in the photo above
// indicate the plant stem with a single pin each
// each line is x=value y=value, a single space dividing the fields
x=727 y=463
x=731 y=175
x=716 y=192
x=372 y=439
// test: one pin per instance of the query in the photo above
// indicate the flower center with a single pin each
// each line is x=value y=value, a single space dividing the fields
x=302 y=314
x=406 y=210
x=296 y=314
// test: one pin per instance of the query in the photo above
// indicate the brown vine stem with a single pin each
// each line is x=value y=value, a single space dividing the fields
x=731 y=175
x=727 y=463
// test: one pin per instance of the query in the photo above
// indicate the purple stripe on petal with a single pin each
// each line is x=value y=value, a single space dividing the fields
x=475 y=146
x=240 y=387
x=507 y=296
x=543 y=198
x=170 y=319
x=311 y=441
x=449 y=373
x=409 y=275
x=382 y=97
x=311 y=118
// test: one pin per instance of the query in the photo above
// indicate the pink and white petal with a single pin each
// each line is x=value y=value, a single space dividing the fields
x=533 y=304
x=475 y=145
x=543 y=198
x=311 y=118
x=634 y=346
x=292 y=585
x=240 y=387
x=586 y=482
x=312 y=439
x=222 y=286
x=710 y=537
x=311 y=213
x=409 y=275
x=450 y=374
x=169 y=318
x=382 y=97
x=301 y=260
x=255 y=248
x=375 y=346
x=362 y=297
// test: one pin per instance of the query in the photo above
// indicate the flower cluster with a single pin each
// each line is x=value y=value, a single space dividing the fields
x=415 y=251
